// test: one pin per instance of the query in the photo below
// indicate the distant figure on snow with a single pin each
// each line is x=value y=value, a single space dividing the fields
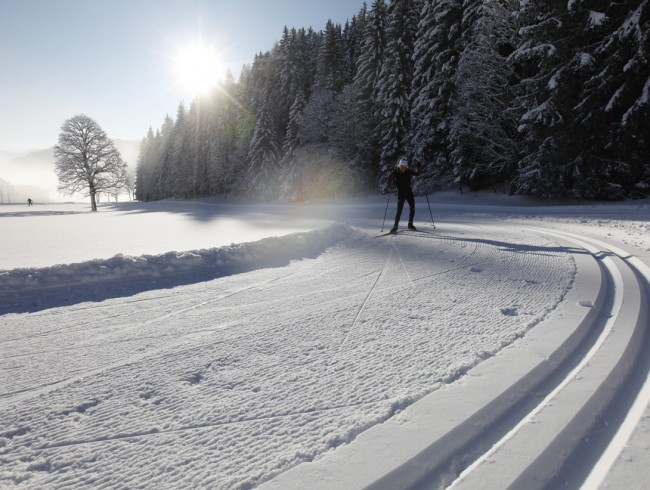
x=29 y=202
x=401 y=177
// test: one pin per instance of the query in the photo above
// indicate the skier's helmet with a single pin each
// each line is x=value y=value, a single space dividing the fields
x=402 y=163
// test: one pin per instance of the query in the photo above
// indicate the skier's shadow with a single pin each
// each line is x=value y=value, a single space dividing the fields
x=506 y=246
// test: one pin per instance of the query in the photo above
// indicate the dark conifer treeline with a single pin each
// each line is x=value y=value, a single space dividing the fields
x=542 y=98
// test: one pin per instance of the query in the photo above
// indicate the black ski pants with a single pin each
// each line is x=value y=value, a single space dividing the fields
x=406 y=195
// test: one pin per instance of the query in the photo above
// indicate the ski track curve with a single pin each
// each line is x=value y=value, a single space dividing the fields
x=226 y=341
x=563 y=423
x=585 y=399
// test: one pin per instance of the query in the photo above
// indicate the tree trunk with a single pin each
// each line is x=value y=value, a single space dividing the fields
x=93 y=202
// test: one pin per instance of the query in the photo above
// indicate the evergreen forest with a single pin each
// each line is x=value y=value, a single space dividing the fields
x=539 y=98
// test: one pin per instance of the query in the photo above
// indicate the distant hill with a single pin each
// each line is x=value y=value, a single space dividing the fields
x=7 y=155
x=34 y=158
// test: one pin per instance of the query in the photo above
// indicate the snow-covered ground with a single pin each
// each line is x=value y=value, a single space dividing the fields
x=222 y=344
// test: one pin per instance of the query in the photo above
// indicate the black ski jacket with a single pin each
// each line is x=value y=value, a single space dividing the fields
x=402 y=180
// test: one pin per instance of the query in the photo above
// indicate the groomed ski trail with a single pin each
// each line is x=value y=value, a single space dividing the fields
x=529 y=431
x=260 y=356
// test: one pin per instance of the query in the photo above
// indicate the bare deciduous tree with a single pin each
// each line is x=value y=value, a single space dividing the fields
x=86 y=159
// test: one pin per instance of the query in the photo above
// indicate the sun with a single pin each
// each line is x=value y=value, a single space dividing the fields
x=197 y=67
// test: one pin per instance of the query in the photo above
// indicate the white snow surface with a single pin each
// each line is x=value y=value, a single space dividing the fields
x=225 y=344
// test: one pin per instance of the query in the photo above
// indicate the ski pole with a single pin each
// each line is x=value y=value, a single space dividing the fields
x=430 y=213
x=385 y=212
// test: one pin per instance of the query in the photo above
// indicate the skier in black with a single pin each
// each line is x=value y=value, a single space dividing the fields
x=401 y=177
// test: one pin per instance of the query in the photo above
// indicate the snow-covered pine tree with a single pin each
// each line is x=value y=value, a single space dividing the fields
x=172 y=145
x=144 y=168
x=353 y=39
x=482 y=132
x=148 y=167
x=330 y=65
x=244 y=128
x=264 y=156
x=182 y=154
x=612 y=112
x=421 y=134
x=349 y=139
x=210 y=131
x=345 y=103
x=295 y=82
x=436 y=52
x=150 y=160
x=160 y=138
x=291 y=175
x=547 y=94
x=245 y=109
x=366 y=79
x=394 y=85
x=196 y=171
x=233 y=164
x=264 y=152
x=373 y=46
x=218 y=130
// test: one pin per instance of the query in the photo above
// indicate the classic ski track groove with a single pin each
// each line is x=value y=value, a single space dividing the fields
x=534 y=465
x=11 y=397
x=437 y=463
x=81 y=326
x=26 y=393
x=532 y=474
x=49 y=313
x=462 y=265
x=167 y=315
x=365 y=301
x=548 y=459
x=402 y=262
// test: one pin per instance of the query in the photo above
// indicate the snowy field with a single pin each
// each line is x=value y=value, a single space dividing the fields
x=223 y=344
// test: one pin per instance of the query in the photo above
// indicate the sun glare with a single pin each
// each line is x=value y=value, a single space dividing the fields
x=197 y=67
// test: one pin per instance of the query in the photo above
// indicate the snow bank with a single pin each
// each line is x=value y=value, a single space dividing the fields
x=215 y=262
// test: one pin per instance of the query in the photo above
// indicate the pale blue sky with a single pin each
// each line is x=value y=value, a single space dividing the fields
x=112 y=60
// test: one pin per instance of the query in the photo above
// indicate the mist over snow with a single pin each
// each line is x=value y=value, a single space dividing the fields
x=31 y=174
x=227 y=344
